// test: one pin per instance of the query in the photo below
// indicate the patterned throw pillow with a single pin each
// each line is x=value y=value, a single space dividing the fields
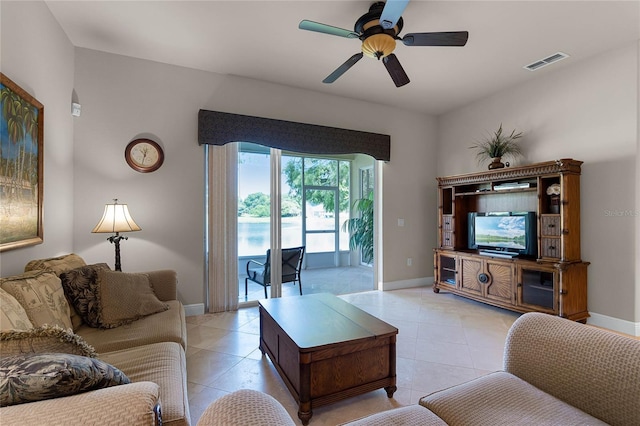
x=12 y=314
x=81 y=287
x=35 y=377
x=40 y=294
x=126 y=297
x=46 y=338
x=57 y=265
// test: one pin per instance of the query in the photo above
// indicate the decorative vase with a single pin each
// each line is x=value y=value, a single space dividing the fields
x=554 y=198
x=496 y=163
x=554 y=204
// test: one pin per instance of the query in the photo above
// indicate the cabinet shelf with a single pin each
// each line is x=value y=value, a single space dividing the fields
x=492 y=191
x=541 y=287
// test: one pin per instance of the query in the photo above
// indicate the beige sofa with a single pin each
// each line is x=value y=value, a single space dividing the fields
x=556 y=372
x=150 y=351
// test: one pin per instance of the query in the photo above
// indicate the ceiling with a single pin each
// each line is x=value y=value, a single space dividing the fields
x=261 y=40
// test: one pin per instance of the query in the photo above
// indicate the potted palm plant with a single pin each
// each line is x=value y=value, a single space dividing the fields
x=496 y=146
x=360 y=228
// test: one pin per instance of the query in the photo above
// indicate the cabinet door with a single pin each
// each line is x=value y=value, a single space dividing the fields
x=501 y=283
x=537 y=288
x=470 y=270
x=446 y=270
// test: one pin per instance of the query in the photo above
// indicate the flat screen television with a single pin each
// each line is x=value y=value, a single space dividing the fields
x=508 y=232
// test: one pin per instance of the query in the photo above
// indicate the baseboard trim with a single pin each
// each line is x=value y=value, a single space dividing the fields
x=193 y=310
x=415 y=282
x=615 y=324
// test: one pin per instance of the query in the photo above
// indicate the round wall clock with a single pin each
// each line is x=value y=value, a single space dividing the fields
x=144 y=155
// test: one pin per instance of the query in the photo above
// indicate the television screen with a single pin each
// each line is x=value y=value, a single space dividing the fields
x=507 y=232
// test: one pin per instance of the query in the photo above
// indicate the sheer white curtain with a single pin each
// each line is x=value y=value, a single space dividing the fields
x=275 y=156
x=222 y=225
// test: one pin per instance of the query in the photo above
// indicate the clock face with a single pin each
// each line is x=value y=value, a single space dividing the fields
x=144 y=155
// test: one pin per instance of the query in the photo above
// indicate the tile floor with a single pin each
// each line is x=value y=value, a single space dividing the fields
x=443 y=340
x=336 y=281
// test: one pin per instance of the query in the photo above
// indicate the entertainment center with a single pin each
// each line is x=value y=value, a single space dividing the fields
x=511 y=238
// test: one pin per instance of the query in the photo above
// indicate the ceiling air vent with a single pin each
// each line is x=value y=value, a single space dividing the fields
x=546 y=61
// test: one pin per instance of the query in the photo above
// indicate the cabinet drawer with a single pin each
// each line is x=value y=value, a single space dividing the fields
x=550 y=247
x=550 y=225
x=447 y=223
x=447 y=239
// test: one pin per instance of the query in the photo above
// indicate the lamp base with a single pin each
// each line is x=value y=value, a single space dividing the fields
x=115 y=239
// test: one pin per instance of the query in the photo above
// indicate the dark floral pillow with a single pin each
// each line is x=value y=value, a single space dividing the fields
x=35 y=377
x=81 y=288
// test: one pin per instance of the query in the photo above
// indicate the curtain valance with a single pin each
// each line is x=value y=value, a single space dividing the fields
x=220 y=128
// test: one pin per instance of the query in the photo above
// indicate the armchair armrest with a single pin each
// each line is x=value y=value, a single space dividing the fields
x=594 y=370
x=164 y=283
x=249 y=272
x=246 y=407
x=135 y=404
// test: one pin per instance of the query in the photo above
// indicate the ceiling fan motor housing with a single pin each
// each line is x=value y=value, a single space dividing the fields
x=377 y=42
x=378 y=30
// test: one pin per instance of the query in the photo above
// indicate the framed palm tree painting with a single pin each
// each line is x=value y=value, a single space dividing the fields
x=21 y=167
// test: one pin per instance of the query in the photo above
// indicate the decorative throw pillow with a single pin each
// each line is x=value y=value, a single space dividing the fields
x=126 y=297
x=81 y=287
x=40 y=294
x=46 y=338
x=57 y=265
x=35 y=377
x=12 y=314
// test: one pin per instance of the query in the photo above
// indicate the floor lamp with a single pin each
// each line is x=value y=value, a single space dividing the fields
x=116 y=218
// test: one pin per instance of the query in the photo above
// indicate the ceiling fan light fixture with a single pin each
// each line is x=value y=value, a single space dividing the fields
x=378 y=45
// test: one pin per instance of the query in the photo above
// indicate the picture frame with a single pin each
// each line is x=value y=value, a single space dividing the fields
x=21 y=167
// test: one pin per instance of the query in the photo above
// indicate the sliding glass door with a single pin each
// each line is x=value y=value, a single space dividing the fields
x=288 y=200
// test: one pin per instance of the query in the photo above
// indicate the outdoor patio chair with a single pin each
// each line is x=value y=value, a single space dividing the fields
x=261 y=272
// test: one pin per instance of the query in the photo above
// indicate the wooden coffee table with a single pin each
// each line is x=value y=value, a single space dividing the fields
x=326 y=349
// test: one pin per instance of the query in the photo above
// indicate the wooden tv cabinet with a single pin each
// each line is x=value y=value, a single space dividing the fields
x=553 y=281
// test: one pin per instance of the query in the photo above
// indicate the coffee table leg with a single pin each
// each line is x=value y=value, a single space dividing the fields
x=304 y=412
x=304 y=404
x=390 y=390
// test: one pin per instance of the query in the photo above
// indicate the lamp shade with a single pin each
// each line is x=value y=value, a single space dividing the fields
x=116 y=218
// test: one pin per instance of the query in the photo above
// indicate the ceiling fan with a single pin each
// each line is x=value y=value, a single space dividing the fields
x=378 y=30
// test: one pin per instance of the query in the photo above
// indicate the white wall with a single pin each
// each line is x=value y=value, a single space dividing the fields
x=637 y=233
x=123 y=98
x=37 y=55
x=587 y=111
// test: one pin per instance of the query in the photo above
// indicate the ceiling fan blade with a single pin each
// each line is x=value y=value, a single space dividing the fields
x=327 y=29
x=396 y=71
x=343 y=68
x=452 y=38
x=392 y=12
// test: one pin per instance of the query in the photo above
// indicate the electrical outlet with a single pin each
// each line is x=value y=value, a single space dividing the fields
x=409 y=261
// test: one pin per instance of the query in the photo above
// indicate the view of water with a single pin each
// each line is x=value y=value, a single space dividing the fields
x=253 y=237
